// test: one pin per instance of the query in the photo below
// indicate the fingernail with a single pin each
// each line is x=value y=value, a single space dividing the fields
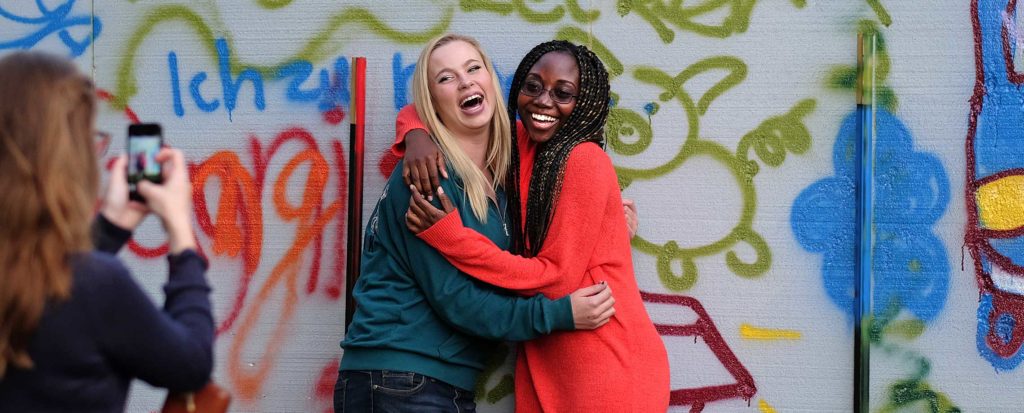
x=440 y=190
x=430 y=197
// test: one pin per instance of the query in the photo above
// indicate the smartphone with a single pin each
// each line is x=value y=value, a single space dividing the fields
x=144 y=142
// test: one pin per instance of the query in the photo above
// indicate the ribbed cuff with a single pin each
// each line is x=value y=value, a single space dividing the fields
x=444 y=231
x=187 y=256
x=565 y=321
x=107 y=236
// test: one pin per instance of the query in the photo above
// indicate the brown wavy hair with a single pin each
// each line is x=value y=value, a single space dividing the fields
x=48 y=187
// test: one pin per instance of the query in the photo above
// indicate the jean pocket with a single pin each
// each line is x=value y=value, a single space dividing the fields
x=400 y=383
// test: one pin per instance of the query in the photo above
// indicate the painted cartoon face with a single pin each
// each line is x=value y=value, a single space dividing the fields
x=548 y=94
x=461 y=88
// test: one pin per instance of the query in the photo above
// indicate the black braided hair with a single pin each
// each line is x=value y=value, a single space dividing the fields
x=585 y=124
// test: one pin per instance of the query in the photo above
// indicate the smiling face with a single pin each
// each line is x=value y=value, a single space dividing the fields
x=461 y=88
x=557 y=73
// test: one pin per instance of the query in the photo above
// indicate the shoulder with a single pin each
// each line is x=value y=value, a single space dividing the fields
x=408 y=113
x=99 y=274
x=99 y=265
x=588 y=159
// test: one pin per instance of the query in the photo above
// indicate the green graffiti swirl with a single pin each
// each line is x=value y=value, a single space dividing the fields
x=879 y=9
x=273 y=4
x=905 y=394
x=778 y=134
x=505 y=8
x=577 y=35
x=769 y=142
x=505 y=386
x=660 y=13
x=625 y=122
x=844 y=77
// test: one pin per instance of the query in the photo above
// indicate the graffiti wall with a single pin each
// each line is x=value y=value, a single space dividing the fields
x=734 y=126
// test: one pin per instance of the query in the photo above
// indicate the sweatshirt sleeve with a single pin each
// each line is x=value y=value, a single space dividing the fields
x=108 y=237
x=572 y=236
x=406 y=121
x=470 y=306
x=172 y=348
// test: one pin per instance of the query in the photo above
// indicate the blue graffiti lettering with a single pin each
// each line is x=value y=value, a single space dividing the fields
x=231 y=86
x=299 y=72
x=193 y=87
x=337 y=95
x=329 y=93
x=57 y=21
x=172 y=66
x=401 y=75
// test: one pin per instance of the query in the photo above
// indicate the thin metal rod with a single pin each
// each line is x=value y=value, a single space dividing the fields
x=354 y=232
x=863 y=222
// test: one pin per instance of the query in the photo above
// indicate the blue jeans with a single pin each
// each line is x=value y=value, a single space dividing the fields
x=385 y=391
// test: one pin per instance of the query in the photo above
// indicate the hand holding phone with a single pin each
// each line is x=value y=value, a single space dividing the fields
x=172 y=200
x=144 y=142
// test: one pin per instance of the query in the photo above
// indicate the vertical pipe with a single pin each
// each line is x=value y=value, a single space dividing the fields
x=865 y=91
x=356 y=141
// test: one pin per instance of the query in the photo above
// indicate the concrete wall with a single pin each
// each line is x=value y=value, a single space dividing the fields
x=734 y=128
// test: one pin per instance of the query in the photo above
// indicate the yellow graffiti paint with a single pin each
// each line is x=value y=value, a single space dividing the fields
x=1001 y=203
x=750 y=332
x=764 y=407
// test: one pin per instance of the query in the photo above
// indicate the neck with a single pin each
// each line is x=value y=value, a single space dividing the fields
x=475 y=145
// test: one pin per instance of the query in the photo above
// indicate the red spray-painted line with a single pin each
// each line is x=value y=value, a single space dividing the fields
x=337 y=282
x=704 y=328
x=105 y=96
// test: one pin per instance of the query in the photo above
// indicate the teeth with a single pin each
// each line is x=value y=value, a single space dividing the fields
x=542 y=118
x=471 y=97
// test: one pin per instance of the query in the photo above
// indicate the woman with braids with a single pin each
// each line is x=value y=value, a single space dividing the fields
x=75 y=327
x=567 y=231
x=422 y=330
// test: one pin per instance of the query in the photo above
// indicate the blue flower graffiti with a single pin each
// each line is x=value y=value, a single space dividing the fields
x=909 y=264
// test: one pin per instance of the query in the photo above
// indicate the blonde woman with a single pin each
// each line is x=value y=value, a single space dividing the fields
x=75 y=328
x=422 y=330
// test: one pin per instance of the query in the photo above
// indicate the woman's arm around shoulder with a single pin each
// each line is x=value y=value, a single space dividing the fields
x=575 y=228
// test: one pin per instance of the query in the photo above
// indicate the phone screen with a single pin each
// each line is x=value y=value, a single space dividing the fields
x=144 y=142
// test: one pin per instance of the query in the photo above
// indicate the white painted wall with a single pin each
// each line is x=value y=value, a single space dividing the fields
x=794 y=339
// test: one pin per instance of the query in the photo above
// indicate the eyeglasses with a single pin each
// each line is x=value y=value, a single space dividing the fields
x=533 y=88
x=101 y=141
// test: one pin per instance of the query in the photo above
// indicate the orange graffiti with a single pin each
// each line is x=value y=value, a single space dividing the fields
x=310 y=224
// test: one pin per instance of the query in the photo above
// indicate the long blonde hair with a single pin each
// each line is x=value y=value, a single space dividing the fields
x=499 y=149
x=48 y=181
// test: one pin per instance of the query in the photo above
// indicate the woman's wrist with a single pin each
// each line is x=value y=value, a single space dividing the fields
x=121 y=221
x=180 y=236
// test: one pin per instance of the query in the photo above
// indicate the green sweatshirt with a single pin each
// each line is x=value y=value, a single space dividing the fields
x=416 y=312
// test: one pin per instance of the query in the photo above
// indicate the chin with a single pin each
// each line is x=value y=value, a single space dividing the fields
x=539 y=137
x=477 y=122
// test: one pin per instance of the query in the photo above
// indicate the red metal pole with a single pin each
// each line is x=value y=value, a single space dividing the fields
x=357 y=129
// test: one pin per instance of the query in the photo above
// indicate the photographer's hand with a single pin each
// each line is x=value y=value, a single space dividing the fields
x=116 y=207
x=172 y=200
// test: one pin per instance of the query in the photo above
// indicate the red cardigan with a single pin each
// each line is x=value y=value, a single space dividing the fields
x=620 y=367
